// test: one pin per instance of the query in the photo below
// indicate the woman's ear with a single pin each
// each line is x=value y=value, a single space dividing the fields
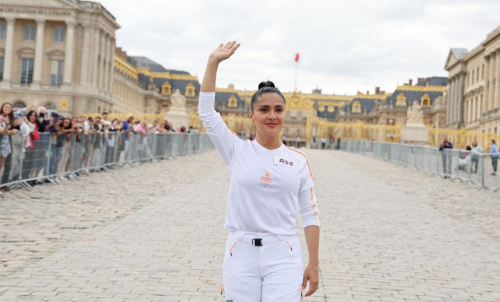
x=250 y=114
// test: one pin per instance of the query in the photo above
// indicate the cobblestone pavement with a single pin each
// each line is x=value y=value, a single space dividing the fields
x=155 y=233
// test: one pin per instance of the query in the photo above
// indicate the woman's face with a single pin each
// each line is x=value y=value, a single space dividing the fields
x=269 y=114
x=32 y=117
x=7 y=109
x=67 y=123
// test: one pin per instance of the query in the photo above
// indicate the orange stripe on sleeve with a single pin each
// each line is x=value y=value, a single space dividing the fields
x=310 y=171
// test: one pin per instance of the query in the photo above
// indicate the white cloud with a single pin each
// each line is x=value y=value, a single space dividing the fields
x=345 y=46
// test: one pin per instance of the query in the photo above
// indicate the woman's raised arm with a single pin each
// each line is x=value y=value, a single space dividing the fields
x=223 y=52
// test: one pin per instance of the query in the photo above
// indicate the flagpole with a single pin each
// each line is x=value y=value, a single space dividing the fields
x=296 y=64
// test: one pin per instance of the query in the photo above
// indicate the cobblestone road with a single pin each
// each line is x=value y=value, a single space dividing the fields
x=155 y=233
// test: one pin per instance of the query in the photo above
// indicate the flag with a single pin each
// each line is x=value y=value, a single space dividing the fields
x=297 y=58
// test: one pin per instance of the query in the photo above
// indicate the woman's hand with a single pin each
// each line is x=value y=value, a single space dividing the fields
x=311 y=273
x=224 y=52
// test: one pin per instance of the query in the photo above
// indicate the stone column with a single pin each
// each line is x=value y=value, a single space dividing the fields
x=449 y=101
x=95 y=56
x=68 y=56
x=9 y=48
x=84 y=72
x=101 y=61
x=40 y=37
x=491 y=93
x=106 y=64
x=452 y=100
x=497 y=80
x=461 y=83
x=486 y=84
x=112 y=65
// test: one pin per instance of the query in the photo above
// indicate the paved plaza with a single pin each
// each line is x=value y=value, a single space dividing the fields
x=155 y=233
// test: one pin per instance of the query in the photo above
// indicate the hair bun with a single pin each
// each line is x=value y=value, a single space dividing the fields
x=266 y=84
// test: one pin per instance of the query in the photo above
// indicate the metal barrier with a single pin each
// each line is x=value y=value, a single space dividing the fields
x=53 y=158
x=478 y=169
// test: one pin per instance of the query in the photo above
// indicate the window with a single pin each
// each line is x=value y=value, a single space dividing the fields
x=426 y=100
x=166 y=88
x=1 y=68
x=401 y=100
x=59 y=33
x=232 y=102
x=56 y=72
x=482 y=72
x=2 y=30
x=356 y=107
x=29 y=32
x=190 y=90
x=477 y=75
x=473 y=77
x=27 y=71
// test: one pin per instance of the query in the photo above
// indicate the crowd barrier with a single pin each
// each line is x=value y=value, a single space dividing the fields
x=53 y=158
x=468 y=167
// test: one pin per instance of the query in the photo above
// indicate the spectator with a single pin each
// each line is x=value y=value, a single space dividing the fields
x=41 y=121
x=284 y=140
x=7 y=112
x=18 y=144
x=126 y=129
x=446 y=156
x=99 y=146
x=297 y=142
x=33 y=162
x=66 y=133
x=465 y=162
x=476 y=153
x=323 y=143
x=494 y=156
x=104 y=117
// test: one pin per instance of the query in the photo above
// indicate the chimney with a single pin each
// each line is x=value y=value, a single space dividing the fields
x=367 y=92
x=377 y=90
x=411 y=82
x=230 y=86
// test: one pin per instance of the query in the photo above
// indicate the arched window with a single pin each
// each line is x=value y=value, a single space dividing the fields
x=321 y=108
x=190 y=90
x=232 y=102
x=331 y=108
x=356 y=107
x=401 y=100
x=19 y=105
x=50 y=106
x=426 y=100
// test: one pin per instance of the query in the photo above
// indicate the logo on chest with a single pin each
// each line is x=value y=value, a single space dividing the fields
x=266 y=179
x=281 y=161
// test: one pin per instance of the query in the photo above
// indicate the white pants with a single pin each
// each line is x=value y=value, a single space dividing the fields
x=271 y=272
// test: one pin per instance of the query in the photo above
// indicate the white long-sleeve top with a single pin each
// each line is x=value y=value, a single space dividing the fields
x=267 y=186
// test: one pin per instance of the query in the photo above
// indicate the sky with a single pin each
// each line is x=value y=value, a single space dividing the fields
x=344 y=46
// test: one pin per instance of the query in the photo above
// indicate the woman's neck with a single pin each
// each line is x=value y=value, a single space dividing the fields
x=268 y=142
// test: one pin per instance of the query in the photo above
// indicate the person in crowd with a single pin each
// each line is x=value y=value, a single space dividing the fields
x=284 y=140
x=110 y=135
x=35 y=155
x=41 y=121
x=126 y=129
x=99 y=145
x=338 y=143
x=104 y=116
x=464 y=163
x=323 y=143
x=66 y=132
x=142 y=133
x=494 y=156
x=20 y=141
x=8 y=115
x=446 y=156
x=297 y=141
x=476 y=153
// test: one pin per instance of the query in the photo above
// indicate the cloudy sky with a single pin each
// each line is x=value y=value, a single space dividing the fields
x=344 y=46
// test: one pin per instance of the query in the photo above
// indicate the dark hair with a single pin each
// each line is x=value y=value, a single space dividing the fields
x=468 y=148
x=265 y=87
x=67 y=127
x=493 y=141
x=11 y=114
x=30 y=113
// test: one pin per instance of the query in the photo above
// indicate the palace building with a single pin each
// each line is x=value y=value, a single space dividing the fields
x=474 y=86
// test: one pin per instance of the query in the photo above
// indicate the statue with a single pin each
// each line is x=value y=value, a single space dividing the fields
x=415 y=114
x=178 y=101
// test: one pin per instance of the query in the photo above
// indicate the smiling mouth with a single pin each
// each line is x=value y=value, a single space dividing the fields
x=272 y=125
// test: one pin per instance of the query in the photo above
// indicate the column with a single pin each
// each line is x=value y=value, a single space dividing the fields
x=457 y=97
x=9 y=48
x=486 y=84
x=68 y=56
x=100 y=80
x=95 y=57
x=461 y=83
x=491 y=93
x=497 y=80
x=452 y=103
x=84 y=73
x=112 y=68
x=106 y=63
x=40 y=36
x=449 y=101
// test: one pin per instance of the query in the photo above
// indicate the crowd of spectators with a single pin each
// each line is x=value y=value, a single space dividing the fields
x=31 y=131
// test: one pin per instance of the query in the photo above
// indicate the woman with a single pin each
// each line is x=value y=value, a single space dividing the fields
x=494 y=156
x=35 y=152
x=8 y=115
x=269 y=182
x=476 y=153
x=66 y=131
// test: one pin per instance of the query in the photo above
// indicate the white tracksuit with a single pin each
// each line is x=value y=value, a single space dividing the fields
x=267 y=189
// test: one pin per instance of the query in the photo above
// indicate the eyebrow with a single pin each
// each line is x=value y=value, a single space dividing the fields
x=260 y=106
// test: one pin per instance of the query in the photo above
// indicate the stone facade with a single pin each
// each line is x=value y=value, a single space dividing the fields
x=474 y=89
x=58 y=51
